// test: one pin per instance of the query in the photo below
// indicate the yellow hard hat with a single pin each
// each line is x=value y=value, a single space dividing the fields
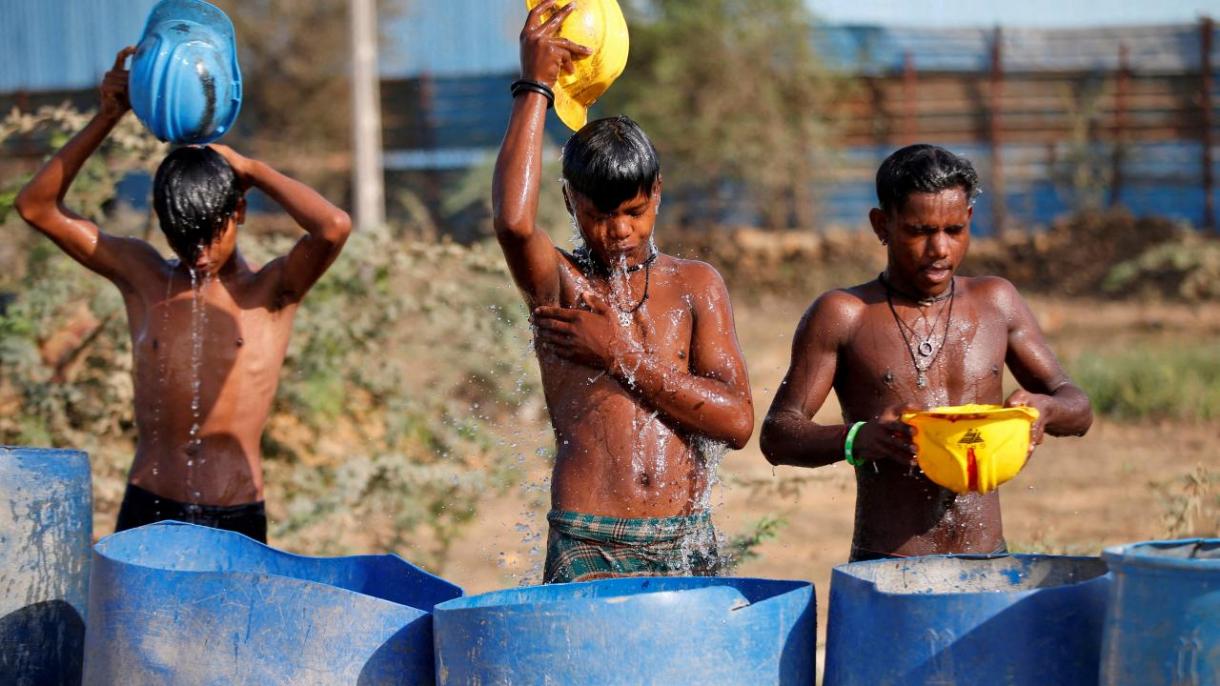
x=598 y=25
x=972 y=447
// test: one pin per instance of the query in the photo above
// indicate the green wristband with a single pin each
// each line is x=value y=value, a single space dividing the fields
x=847 y=444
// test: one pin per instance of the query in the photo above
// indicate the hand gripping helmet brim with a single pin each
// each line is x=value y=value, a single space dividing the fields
x=185 y=83
x=598 y=25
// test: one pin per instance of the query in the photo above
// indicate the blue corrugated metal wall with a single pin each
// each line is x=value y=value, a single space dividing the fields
x=447 y=38
x=67 y=44
x=881 y=49
x=52 y=45
x=1162 y=179
x=468 y=48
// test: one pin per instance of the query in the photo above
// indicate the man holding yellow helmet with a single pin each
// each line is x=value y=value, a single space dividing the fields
x=916 y=357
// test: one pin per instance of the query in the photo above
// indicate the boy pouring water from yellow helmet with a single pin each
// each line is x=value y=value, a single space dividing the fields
x=640 y=363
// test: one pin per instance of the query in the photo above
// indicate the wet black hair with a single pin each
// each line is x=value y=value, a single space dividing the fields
x=923 y=168
x=194 y=193
x=610 y=161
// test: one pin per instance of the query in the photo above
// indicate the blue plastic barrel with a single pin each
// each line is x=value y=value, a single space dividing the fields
x=1163 y=622
x=46 y=528
x=175 y=603
x=666 y=630
x=1003 y=619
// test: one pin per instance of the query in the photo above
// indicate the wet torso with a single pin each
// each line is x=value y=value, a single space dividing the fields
x=206 y=366
x=898 y=510
x=614 y=455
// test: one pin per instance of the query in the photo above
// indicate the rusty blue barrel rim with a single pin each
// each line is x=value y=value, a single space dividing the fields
x=103 y=549
x=849 y=568
x=637 y=588
x=269 y=616
x=671 y=630
x=1159 y=554
x=1024 y=619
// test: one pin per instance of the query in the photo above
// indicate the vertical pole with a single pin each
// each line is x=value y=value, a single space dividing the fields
x=366 y=117
x=909 y=83
x=427 y=140
x=998 y=207
x=1207 y=27
x=1119 y=154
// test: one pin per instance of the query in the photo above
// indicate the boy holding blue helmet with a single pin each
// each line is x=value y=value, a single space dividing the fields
x=209 y=330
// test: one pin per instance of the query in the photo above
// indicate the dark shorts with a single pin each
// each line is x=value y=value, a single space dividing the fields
x=865 y=555
x=142 y=507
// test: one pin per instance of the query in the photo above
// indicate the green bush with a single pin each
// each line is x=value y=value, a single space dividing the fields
x=372 y=443
x=1188 y=269
x=1167 y=382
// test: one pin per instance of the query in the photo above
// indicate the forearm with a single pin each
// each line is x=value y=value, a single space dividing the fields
x=789 y=439
x=700 y=405
x=312 y=212
x=518 y=172
x=1069 y=412
x=47 y=189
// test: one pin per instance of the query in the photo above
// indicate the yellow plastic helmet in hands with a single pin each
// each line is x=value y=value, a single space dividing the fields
x=598 y=25
x=972 y=447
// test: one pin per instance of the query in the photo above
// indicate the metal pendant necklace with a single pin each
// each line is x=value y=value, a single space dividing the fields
x=924 y=349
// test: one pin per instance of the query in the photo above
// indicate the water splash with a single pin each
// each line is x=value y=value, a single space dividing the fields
x=162 y=353
x=199 y=323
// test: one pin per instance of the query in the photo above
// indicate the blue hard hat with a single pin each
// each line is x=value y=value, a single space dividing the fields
x=185 y=84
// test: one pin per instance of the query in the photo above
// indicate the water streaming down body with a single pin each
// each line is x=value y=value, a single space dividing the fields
x=199 y=322
x=162 y=352
x=647 y=429
x=653 y=437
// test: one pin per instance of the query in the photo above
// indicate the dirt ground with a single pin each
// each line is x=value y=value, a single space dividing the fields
x=1077 y=495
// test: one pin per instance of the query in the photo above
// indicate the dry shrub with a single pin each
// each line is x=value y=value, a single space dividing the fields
x=754 y=261
x=1075 y=256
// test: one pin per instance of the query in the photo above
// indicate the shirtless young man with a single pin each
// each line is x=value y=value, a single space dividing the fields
x=637 y=348
x=208 y=330
x=917 y=336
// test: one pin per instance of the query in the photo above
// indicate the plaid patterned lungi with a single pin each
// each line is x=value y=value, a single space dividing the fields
x=584 y=547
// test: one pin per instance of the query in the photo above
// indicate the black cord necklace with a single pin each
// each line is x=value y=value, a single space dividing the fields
x=925 y=348
x=589 y=264
x=922 y=301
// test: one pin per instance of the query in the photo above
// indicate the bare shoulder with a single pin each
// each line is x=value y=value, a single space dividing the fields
x=696 y=275
x=263 y=285
x=699 y=282
x=833 y=317
x=841 y=306
x=138 y=265
x=135 y=252
x=988 y=287
x=995 y=291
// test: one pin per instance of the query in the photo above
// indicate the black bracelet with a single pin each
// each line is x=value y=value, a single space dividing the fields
x=522 y=85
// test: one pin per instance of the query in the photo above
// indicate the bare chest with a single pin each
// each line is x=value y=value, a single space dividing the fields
x=925 y=358
x=208 y=335
x=652 y=308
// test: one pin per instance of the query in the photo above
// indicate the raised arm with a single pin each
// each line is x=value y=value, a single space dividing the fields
x=326 y=226
x=1063 y=408
x=789 y=434
x=41 y=202
x=514 y=192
